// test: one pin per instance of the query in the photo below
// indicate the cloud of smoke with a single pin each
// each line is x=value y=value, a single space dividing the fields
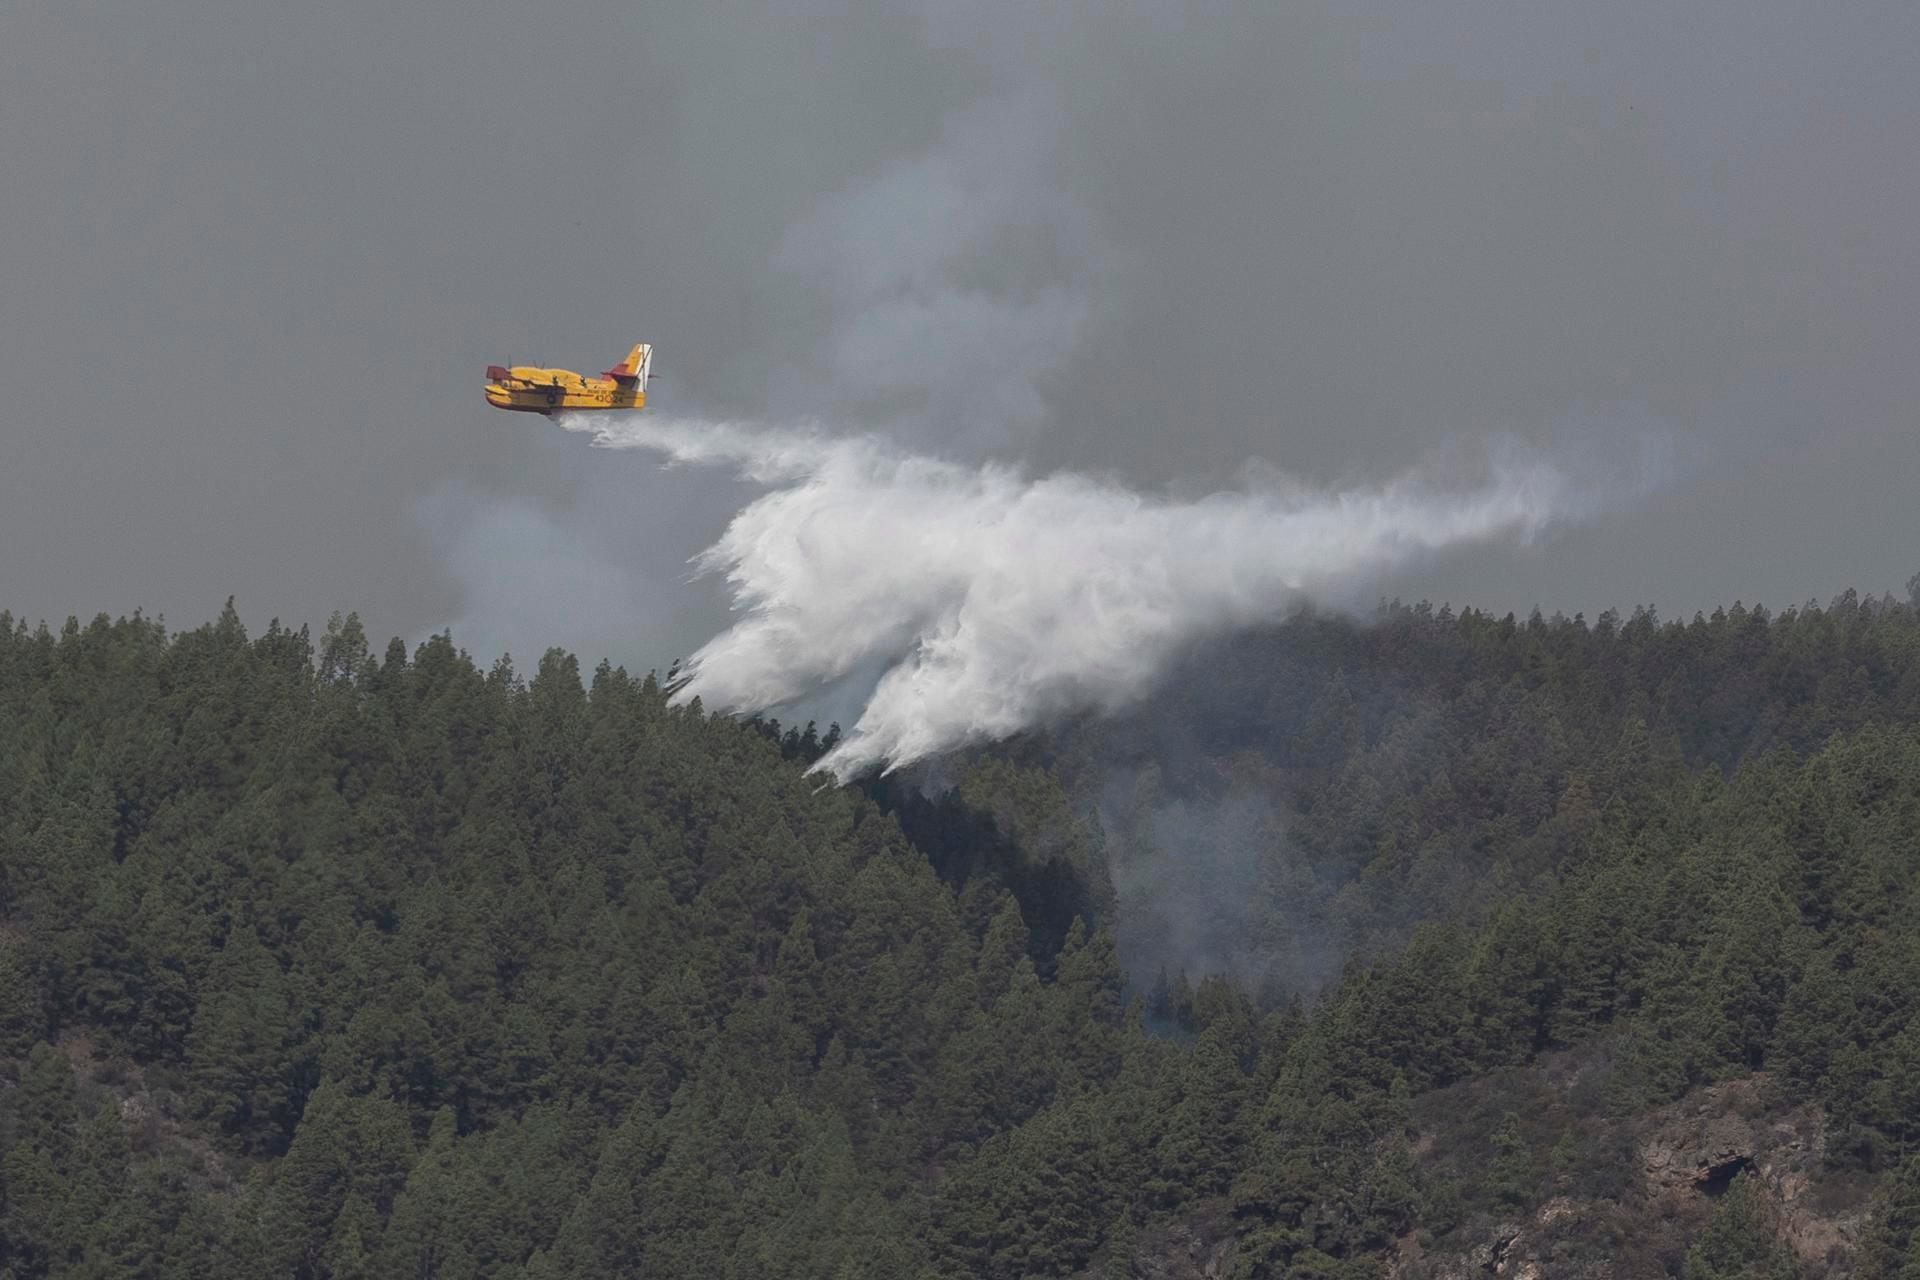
x=955 y=281
x=596 y=573
x=1213 y=885
x=522 y=573
x=994 y=601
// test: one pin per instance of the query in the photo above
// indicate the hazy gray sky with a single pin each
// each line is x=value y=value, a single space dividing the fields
x=253 y=259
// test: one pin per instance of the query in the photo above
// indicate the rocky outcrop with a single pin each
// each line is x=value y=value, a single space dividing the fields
x=1182 y=1254
x=1673 y=1163
x=1694 y=1149
x=1688 y=1155
x=1512 y=1249
x=1196 y=1248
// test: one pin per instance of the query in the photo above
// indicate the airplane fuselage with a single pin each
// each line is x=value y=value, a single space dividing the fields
x=531 y=389
x=528 y=389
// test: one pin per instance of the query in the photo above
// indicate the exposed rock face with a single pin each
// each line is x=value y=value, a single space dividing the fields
x=1514 y=1249
x=1689 y=1153
x=1182 y=1256
x=1197 y=1249
x=1696 y=1147
x=1495 y=1255
x=1673 y=1164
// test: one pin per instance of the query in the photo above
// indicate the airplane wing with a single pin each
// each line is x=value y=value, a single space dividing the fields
x=506 y=377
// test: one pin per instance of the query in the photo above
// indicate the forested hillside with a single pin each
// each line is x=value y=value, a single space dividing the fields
x=1353 y=945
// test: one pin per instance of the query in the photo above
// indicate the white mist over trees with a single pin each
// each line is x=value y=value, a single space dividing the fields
x=993 y=601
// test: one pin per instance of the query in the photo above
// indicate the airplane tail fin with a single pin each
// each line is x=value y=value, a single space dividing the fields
x=638 y=364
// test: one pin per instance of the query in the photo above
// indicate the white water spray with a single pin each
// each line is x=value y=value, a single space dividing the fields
x=995 y=601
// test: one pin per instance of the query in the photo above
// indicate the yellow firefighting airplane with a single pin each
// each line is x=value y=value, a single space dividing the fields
x=552 y=391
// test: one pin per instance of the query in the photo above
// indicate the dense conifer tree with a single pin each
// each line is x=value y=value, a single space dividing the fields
x=323 y=964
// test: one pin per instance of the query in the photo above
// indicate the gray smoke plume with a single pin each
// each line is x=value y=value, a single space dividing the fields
x=954 y=282
x=1209 y=885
